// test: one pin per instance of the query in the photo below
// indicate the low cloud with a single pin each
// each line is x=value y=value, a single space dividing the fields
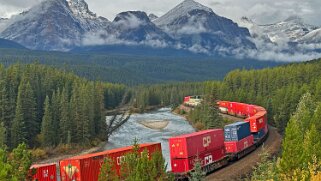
x=130 y=21
x=193 y=26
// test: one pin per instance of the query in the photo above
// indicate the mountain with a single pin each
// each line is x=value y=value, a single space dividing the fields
x=313 y=37
x=152 y=17
x=135 y=26
x=199 y=29
x=131 y=28
x=53 y=25
x=10 y=44
x=291 y=29
x=65 y=24
x=3 y=23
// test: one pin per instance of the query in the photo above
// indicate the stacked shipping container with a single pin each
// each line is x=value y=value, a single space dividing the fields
x=87 y=167
x=237 y=146
x=237 y=137
x=236 y=131
x=207 y=145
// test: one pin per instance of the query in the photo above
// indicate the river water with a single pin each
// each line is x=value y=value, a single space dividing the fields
x=125 y=135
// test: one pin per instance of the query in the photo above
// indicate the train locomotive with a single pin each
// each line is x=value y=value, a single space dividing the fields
x=214 y=148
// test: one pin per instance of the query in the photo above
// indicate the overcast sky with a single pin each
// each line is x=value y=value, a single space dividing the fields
x=261 y=11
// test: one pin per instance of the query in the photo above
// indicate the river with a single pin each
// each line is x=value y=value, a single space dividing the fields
x=125 y=135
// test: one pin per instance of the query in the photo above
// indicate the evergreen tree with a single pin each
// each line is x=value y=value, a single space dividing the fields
x=305 y=111
x=311 y=145
x=25 y=126
x=292 y=147
x=65 y=122
x=5 y=167
x=19 y=130
x=21 y=161
x=2 y=135
x=47 y=129
x=107 y=172
x=56 y=113
x=197 y=174
x=316 y=119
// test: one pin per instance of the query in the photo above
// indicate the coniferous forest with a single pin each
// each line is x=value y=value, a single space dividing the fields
x=42 y=106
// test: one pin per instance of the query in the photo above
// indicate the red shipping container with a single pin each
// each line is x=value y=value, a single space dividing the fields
x=250 y=110
x=183 y=165
x=187 y=98
x=223 y=106
x=259 y=108
x=87 y=167
x=185 y=146
x=232 y=108
x=258 y=121
x=240 y=109
x=223 y=103
x=237 y=146
x=44 y=172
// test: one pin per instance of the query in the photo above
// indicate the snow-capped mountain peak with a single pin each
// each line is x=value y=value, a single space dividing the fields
x=181 y=10
x=80 y=9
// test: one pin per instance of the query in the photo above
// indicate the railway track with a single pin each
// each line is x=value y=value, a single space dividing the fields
x=240 y=168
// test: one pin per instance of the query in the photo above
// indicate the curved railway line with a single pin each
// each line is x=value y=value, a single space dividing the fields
x=239 y=169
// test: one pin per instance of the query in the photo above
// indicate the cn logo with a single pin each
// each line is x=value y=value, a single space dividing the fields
x=208 y=159
x=206 y=141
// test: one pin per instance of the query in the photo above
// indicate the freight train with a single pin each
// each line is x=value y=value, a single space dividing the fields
x=192 y=101
x=215 y=148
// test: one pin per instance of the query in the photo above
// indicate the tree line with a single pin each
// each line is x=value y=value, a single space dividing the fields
x=42 y=106
x=300 y=158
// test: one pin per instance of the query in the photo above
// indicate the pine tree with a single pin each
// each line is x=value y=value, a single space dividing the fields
x=25 y=126
x=107 y=172
x=21 y=161
x=316 y=119
x=19 y=130
x=311 y=145
x=47 y=130
x=292 y=147
x=56 y=113
x=3 y=135
x=65 y=122
x=305 y=111
x=198 y=173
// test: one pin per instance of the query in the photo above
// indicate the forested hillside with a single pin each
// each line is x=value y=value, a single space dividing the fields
x=277 y=89
x=42 y=106
x=133 y=69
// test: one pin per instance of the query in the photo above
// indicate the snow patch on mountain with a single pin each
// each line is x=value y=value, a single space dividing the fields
x=80 y=9
x=291 y=29
x=312 y=37
x=180 y=10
